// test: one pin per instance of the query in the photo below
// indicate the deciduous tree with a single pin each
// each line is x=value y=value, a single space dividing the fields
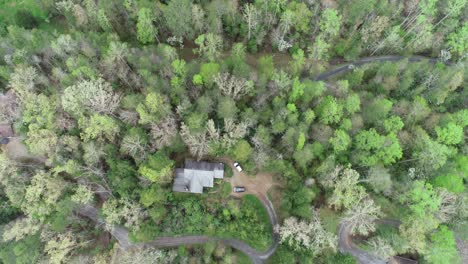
x=146 y=31
x=362 y=215
x=307 y=235
x=157 y=168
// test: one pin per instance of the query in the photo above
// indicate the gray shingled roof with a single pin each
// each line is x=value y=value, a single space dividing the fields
x=197 y=175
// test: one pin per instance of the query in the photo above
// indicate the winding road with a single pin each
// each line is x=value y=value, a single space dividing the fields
x=121 y=234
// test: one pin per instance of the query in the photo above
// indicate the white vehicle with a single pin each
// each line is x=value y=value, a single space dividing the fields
x=238 y=167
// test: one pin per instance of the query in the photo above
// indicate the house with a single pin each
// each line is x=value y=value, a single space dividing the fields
x=196 y=175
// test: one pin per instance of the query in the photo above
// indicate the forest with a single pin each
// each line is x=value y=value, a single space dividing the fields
x=355 y=111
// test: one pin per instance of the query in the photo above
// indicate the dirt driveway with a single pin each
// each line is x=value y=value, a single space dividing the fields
x=257 y=185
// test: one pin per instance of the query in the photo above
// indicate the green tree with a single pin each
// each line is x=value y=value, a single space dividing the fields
x=153 y=109
x=300 y=141
x=458 y=40
x=178 y=18
x=443 y=248
x=98 y=127
x=297 y=90
x=157 y=168
x=346 y=192
x=242 y=151
x=393 y=124
x=340 y=141
x=430 y=154
x=353 y=103
x=320 y=49
x=153 y=194
x=146 y=31
x=208 y=72
x=373 y=148
x=227 y=108
x=301 y=16
x=422 y=199
x=134 y=143
x=330 y=23
x=330 y=110
x=451 y=134
x=209 y=46
x=297 y=63
x=451 y=182
x=377 y=110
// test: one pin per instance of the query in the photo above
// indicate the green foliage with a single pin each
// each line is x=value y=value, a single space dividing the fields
x=353 y=103
x=377 y=111
x=422 y=199
x=430 y=154
x=197 y=79
x=373 y=148
x=98 y=127
x=330 y=22
x=242 y=151
x=227 y=108
x=330 y=110
x=298 y=62
x=209 y=45
x=301 y=16
x=340 y=141
x=457 y=40
x=121 y=173
x=393 y=124
x=300 y=141
x=110 y=115
x=196 y=121
x=7 y=211
x=153 y=109
x=152 y=195
x=443 y=248
x=179 y=68
x=209 y=71
x=39 y=112
x=461 y=117
x=451 y=134
x=452 y=183
x=178 y=17
x=27 y=250
x=297 y=201
x=157 y=168
x=297 y=90
x=246 y=220
x=146 y=31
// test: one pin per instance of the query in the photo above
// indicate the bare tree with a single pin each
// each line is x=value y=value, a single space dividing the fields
x=362 y=216
x=300 y=234
x=163 y=133
x=96 y=95
x=449 y=206
x=9 y=106
x=250 y=15
x=382 y=248
x=232 y=86
x=198 y=143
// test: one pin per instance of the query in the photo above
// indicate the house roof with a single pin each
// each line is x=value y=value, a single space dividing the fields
x=197 y=175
